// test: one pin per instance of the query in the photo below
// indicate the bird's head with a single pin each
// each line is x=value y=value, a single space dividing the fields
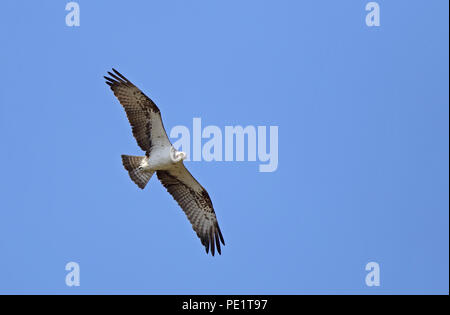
x=176 y=155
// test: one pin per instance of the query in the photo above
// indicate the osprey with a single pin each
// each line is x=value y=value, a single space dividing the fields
x=161 y=157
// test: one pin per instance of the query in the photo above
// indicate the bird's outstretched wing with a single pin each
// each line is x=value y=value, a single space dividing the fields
x=144 y=116
x=195 y=202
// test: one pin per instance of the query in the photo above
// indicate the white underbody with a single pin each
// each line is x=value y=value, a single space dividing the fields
x=162 y=158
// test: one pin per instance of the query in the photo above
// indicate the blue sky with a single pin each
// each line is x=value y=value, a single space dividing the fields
x=363 y=146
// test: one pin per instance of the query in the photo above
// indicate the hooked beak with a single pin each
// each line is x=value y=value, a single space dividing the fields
x=177 y=155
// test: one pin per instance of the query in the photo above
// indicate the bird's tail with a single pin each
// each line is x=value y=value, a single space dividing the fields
x=133 y=165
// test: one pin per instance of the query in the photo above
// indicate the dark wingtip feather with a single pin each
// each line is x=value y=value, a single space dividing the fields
x=220 y=234
x=121 y=76
x=218 y=243
x=111 y=82
x=211 y=237
x=212 y=240
x=206 y=243
x=117 y=78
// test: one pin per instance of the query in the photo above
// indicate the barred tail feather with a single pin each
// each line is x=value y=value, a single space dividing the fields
x=137 y=175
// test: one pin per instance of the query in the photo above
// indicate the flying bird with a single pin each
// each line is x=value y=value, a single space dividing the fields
x=161 y=157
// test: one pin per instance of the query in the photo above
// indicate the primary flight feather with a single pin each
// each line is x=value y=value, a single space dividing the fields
x=161 y=157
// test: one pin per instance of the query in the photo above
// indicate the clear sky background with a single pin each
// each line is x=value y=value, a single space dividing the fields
x=363 y=116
